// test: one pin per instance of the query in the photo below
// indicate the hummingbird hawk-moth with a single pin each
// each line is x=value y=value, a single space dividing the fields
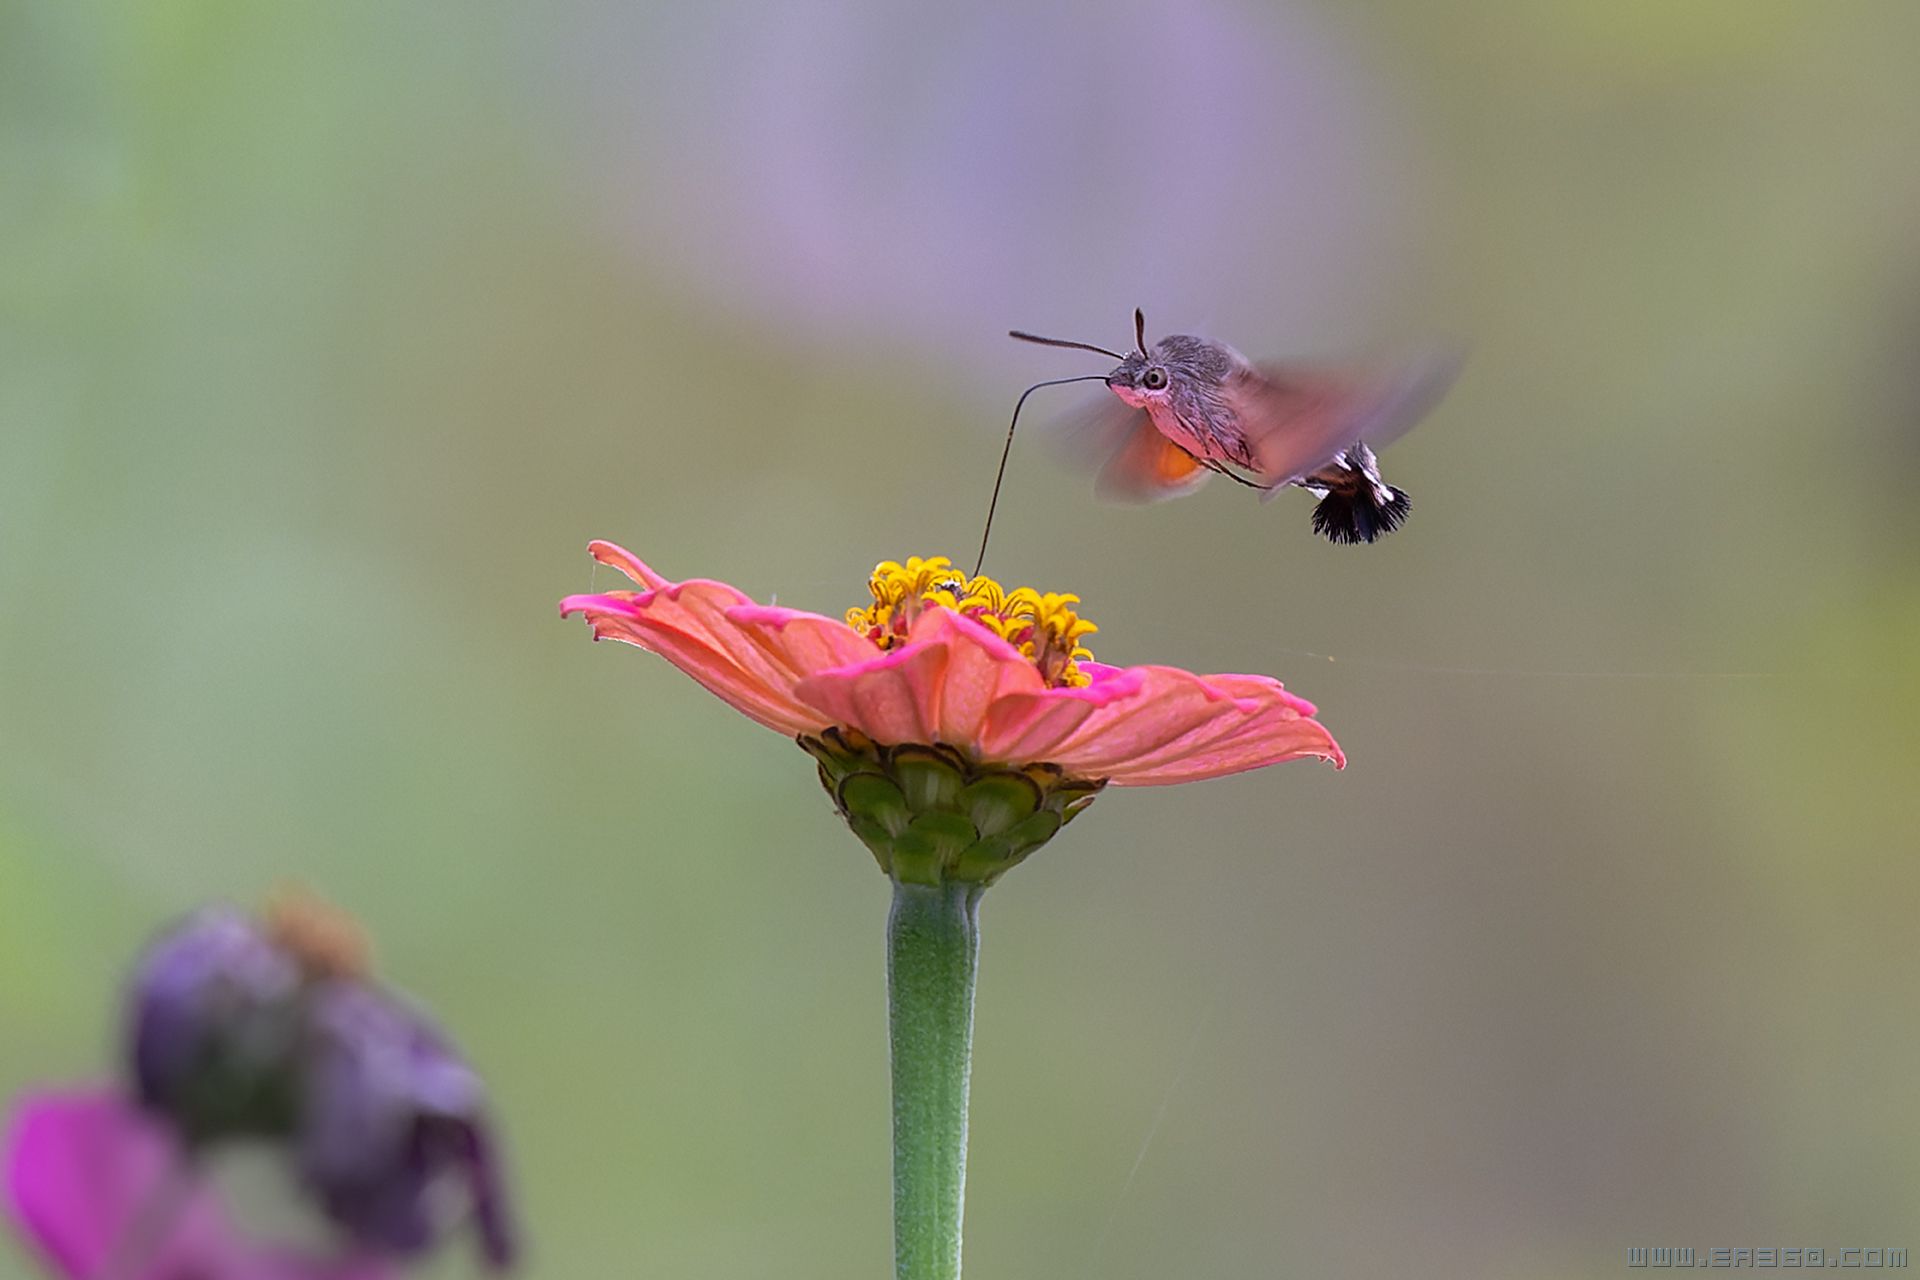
x=1191 y=408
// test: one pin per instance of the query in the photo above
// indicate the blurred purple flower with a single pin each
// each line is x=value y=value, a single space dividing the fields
x=106 y=1191
x=392 y=1116
x=267 y=1032
x=216 y=1013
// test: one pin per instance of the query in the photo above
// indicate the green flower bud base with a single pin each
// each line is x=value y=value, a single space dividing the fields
x=932 y=816
x=943 y=827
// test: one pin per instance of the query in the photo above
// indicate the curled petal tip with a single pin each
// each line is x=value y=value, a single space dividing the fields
x=1331 y=752
x=618 y=557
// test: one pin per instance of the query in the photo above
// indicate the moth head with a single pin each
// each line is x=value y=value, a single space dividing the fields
x=1141 y=380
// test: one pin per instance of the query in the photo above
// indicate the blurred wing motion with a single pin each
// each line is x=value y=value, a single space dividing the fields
x=1148 y=467
x=1298 y=422
x=1131 y=459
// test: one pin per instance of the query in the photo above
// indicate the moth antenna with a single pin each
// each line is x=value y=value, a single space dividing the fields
x=994 y=502
x=1140 y=330
x=1062 y=342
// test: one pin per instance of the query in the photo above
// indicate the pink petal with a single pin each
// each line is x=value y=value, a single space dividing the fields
x=1260 y=687
x=740 y=660
x=83 y=1167
x=1170 y=707
x=982 y=669
x=1031 y=726
x=892 y=698
x=799 y=644
x=941 y=686
x=1152 y=725
x=1254 y=748
x=1179 y=716
x=610 y=553
x=1252 y=734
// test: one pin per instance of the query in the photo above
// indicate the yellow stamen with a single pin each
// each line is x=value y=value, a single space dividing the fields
x=1043 y=627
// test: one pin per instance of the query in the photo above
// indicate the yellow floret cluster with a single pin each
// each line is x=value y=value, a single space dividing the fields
x=1043 y=627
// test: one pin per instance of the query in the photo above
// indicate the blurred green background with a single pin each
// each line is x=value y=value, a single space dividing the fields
x=329 y=335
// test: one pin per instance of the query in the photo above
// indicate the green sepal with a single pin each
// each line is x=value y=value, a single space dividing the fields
x=877 y=798
x=931 y=816
x=1000 y=800
x=929 y=776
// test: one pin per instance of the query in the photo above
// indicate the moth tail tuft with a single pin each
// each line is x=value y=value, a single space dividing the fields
x=1360 y=516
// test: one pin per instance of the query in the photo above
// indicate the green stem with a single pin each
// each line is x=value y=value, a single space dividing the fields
x=933 y=949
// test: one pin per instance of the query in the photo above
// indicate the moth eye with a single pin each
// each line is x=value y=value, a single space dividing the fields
x=1154 y=379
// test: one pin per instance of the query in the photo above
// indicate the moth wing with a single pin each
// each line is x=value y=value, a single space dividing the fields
x=1092 y=432
x=1296 y=420
x=1148 y=467
x=1407 y=393
x=1130 y=459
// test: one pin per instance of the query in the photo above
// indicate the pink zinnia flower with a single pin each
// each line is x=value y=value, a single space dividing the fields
x=957 y=670
x=957 y=726
x=931 y=667
x=103 y=1188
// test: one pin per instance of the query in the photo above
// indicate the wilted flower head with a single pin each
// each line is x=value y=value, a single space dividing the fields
x=958 y=725
x=273 y=1033
x=392 y=1116
x=217 y=1015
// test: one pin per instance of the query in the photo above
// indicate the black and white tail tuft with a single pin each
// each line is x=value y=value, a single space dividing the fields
x=1359 y=515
